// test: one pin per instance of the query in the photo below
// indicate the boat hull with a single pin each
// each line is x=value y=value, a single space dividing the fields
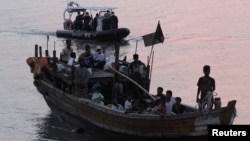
x=81 y=125
x=113 y=34
x=88 y=114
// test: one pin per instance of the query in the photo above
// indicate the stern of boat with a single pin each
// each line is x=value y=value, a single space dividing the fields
x=230 y=113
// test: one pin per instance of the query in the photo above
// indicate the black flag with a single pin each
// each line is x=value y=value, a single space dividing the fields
x=159 y=37
x=154 y=38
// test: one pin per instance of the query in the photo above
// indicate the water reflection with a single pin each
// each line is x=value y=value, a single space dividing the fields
x=52 y=127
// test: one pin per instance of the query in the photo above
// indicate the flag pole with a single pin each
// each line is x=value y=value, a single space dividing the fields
x=136 y=46
x=153 y=38
x=151 y=66
x=153 y=43
x=151 y=53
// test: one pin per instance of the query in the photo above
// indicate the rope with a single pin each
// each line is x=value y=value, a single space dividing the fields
x=207 y=102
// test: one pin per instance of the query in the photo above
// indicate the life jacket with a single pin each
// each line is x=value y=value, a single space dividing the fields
x=37 y=65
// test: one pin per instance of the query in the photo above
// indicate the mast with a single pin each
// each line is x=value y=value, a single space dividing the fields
x=117 y=53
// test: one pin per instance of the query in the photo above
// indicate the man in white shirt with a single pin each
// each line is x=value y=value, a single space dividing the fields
x=170 y=101
x=66 y=51
x=72 y=58
x=128 y=103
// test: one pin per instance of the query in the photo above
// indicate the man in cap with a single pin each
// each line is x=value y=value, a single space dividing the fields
x=99 y=58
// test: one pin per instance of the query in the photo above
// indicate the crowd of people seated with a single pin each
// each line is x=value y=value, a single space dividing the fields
x=165 y=106
x=85 y=21
x=131 y=101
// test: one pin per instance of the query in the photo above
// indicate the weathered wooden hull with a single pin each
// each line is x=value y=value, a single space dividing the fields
x=88 y=113
x=113 y=34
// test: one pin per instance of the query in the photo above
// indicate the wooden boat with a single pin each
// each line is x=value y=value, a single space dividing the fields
x=75 y=29
x=57 y=89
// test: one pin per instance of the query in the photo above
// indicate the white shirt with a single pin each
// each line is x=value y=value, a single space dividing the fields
x=169 y=106
x=66 y=53
x=99 y=24
x=71 y=61
x=100 y=57
x=127 y=105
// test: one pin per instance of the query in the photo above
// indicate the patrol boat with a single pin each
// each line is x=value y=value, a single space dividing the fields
x=102 y=29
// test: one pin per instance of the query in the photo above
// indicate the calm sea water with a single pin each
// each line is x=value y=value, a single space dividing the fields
x=197 y=32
